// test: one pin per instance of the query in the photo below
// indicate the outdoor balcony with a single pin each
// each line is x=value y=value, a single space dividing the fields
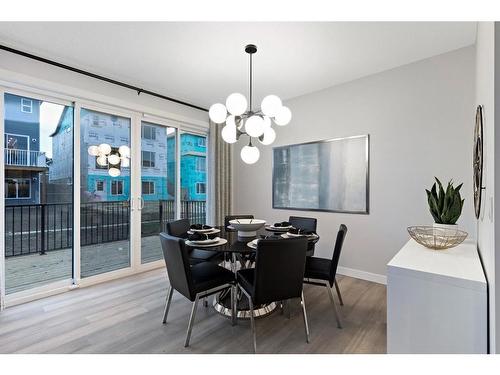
x=24 y=159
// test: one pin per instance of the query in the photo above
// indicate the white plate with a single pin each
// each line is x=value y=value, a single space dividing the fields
x=292 y=235
x=220 y=242
x=278 y=229
x=205 y=242
x=202 y=230
x=253 y=243
x=210 y=231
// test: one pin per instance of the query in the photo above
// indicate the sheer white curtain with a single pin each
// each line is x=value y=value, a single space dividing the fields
x=219 y=176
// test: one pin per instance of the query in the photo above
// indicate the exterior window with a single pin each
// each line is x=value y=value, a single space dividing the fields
x=201 y=164
x=26 y=105
x=116 y=187
x=148 y=187
x=148 y=132
x=17 y=188
x=200 y=188
x=99 y=185
x=148 y=159
x=202 y=142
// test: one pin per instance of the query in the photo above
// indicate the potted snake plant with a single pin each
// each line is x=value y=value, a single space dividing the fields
x=445 y=205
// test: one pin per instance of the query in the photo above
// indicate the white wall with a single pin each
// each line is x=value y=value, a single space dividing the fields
x=485 y=95
x=420 y=121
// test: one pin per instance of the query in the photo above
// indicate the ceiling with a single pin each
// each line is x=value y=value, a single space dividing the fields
x=202 y=63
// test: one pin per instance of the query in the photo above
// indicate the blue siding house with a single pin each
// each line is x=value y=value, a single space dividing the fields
x=25 y=165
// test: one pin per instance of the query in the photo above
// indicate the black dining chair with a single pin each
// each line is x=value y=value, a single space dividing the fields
x=277 y=276
x=179 y=228
x=307 y=224
x=193 y=281
x=228 y=218
x=322 y=272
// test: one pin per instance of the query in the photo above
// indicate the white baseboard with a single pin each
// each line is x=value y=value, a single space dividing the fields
x=363 y=275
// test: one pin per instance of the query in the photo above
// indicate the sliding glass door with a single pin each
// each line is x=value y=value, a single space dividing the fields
x=158 y=186
x=132 y=177
x=38 y=192
x=105 y=194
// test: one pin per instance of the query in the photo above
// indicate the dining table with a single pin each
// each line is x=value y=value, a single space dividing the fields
x=239 y=254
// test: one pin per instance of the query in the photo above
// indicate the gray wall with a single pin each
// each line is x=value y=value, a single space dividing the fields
x=420 y=121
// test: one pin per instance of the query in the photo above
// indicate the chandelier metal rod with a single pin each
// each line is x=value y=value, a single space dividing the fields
x=250 y=82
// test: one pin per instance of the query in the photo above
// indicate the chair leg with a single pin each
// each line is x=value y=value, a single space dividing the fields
x=170 y=291
x=233 y=305
x=306 y=325
x=338 y=293
x=252 y=324
x=337 y=317
x=205 y=301
x=191 y=321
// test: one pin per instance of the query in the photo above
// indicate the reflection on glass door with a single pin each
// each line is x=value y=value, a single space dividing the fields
x=158 y=169
x=105 y=192
x=193 y=150
x=38 y=162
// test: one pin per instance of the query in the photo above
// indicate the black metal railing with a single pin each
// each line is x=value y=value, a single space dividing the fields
x=38 y=228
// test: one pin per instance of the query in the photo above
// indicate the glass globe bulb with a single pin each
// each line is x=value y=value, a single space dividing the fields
x=229 y=133
x=250 y=154
x=104 y=149
x=102 y=160
x=124 y=151
x=113 y=159
x=125 y=162
x=114 y=172
x=217 y=113
x=283 y=117
x=93 y=151
x=236 y=104
x=254 y=126
x=269 y=136
x=270 y=105
x=231 y=120
x=267 y=122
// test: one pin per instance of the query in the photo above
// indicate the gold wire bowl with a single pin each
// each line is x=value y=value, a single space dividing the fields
x=437 y=238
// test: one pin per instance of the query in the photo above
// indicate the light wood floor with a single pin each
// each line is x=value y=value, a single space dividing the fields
x=124 y=316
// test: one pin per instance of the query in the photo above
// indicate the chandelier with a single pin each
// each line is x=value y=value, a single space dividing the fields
x=113 y=158
x=253 y=123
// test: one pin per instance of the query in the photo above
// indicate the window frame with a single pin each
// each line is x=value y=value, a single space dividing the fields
x=150 y=184
x=197 y=184
x=152 y=131
x=152 y=159
x=23 y=105
x=111 y=188
x=97 y=184
x=198 y=159
x=17 y=187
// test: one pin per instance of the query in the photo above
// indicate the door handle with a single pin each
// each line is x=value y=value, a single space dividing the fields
x=141 y=204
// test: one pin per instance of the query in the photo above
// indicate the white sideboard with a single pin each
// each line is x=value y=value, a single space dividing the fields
x=436 y=300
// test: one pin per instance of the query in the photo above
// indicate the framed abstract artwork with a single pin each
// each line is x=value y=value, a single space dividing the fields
x=329 y=175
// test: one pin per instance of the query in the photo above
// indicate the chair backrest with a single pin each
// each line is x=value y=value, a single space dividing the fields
x=306 y=223
x=178 y=228
x=279 y=269
x=339 y=242
x=233 y=217
x=177 y=262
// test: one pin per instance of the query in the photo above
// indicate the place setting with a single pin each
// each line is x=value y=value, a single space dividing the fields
x=201 y=235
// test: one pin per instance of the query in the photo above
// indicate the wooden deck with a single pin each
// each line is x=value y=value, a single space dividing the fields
x=28 y=271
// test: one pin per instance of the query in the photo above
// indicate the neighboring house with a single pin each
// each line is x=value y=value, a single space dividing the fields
x=25 y=165
x=193 y=167
x=157 y=159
